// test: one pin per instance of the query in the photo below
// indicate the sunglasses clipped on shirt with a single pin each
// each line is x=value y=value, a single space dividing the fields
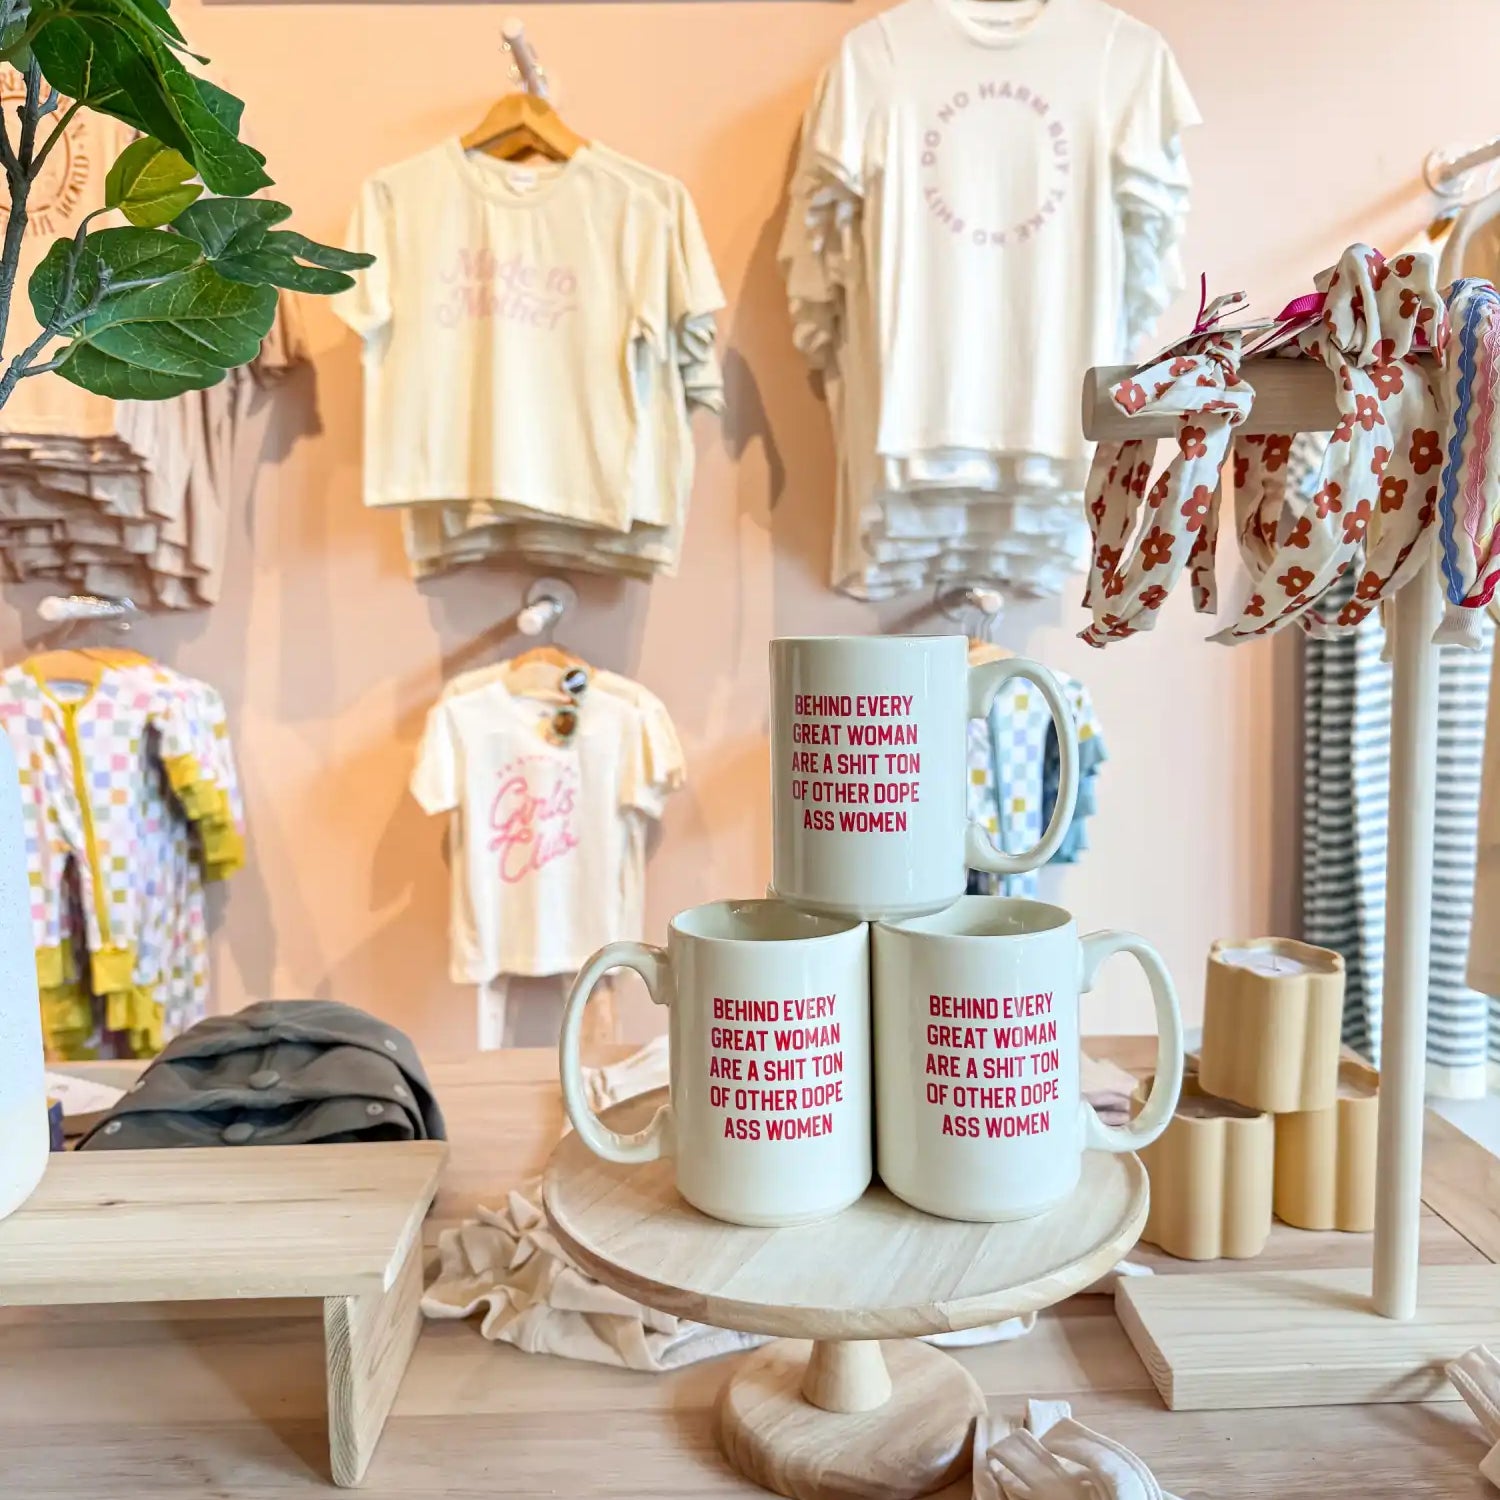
x=564 y=723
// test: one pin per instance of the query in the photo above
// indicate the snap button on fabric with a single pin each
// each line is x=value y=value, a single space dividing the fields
x=266 y=1078
x=113 y=1128
x=238 y=1133
x=374 y=1109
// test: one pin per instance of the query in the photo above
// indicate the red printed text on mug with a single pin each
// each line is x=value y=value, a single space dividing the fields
x=775 y=1067
x=856 y=761
x=992 y=1064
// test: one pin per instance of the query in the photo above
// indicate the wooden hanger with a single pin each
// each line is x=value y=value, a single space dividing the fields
x=551 y=655
x=64 y=666
x=519 y=123
x=116 y=656
x=538 y=673
x=981 y=650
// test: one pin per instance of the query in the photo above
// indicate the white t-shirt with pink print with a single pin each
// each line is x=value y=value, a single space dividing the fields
x=545 y=834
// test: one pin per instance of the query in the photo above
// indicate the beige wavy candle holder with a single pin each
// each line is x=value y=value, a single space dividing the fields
x=1211 y=1177
x=1325 y=1158
x=1272 y=1014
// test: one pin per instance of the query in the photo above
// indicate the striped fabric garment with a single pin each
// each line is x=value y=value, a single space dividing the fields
x=1346 y=750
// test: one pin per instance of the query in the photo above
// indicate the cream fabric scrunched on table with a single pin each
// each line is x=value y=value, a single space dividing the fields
x=1476 y=1377
x=1376 y=494
x=1055 y=1458
x=1137 y=558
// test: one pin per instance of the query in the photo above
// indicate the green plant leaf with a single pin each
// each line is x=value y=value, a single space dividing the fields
x=195 y=311
x=331 y=256
x=113 y=56
x=149 y=183
x=227 y=109
x=130 y=255
x=263 y=266
x=277 y=257
x=225 y=225
x=121 y=380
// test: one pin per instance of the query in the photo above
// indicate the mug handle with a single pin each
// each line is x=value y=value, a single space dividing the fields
x=656 y=1139
x=1167 y=1084
x=985 y=681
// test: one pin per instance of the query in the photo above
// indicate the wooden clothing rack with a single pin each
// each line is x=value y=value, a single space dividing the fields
x=1293 y=1322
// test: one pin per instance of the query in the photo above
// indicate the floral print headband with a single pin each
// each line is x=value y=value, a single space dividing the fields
x=1139 y=554
x=1375 y=506
x=1375 y=497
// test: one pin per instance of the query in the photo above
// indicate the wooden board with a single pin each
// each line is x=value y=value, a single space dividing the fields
x=367 y=1341
x=1303 y=1338
x=877 y=1270
x=1461 y=1182
x=267 y=1221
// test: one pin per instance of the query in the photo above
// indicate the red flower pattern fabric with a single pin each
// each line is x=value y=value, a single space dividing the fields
x=1140 y=551
x=1387 y=433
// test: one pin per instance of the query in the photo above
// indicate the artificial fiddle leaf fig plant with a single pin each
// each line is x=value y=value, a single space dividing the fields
x=184 y=289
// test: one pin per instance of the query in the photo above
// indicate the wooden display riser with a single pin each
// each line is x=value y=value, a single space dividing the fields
x=340 y=1223
x=1245 y=1339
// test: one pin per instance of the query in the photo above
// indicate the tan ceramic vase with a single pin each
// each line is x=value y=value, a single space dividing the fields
x=1211 y=1177
x=1271 y=1041
x=1325 y=1158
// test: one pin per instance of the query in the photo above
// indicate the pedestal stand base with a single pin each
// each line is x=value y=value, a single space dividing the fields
x=914 y=1442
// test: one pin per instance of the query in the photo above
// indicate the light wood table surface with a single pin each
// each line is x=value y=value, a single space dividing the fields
x=227 y=1399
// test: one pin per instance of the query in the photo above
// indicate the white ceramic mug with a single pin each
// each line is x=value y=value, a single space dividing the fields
x=979 y=1105
x=869 y=772
x=769 y=1119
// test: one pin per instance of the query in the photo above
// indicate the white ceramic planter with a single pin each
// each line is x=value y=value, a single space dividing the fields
x=23 y=1092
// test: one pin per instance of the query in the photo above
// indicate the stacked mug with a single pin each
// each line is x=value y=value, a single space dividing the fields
x=868 y=989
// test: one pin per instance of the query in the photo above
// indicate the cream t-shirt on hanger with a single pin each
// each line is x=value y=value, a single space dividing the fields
x=439 y=537
x=500 y=324
x=991 y=157
x=545 y=837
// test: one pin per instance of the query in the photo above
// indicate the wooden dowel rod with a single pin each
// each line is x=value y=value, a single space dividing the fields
x=1408 y=932
x=1291 y=395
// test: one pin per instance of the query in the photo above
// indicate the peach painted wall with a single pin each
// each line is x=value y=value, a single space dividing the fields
x=329 y=655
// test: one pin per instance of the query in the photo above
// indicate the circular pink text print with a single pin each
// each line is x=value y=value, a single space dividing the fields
x=1004 y=122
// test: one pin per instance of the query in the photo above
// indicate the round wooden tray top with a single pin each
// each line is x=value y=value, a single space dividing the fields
x=877 y=1270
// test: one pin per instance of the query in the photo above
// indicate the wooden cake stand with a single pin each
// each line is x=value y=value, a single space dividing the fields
x=848 y=1416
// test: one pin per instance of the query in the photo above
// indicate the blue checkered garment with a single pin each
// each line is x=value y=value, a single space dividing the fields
x=1013 y=773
